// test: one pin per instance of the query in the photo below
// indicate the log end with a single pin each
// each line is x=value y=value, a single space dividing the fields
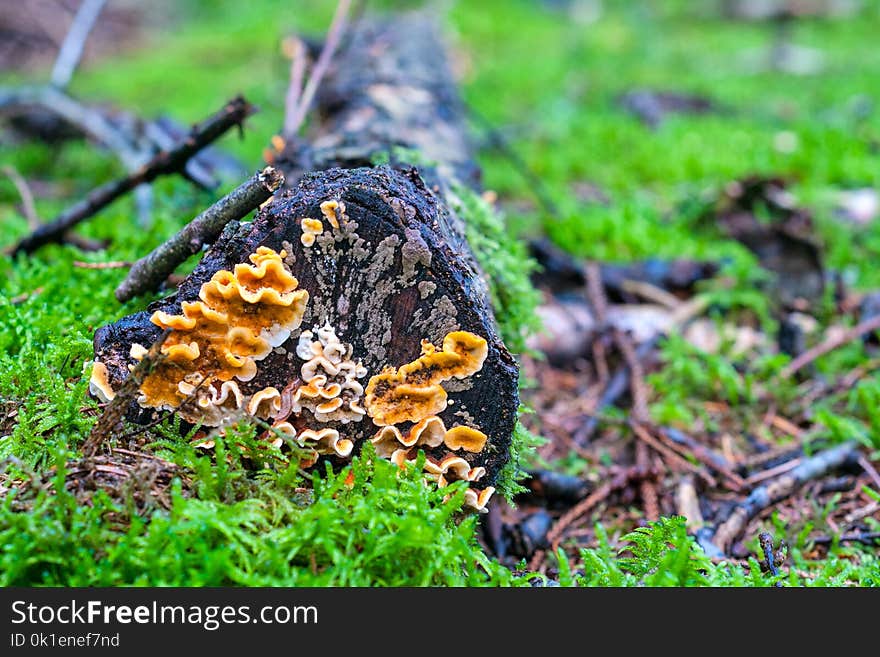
x=397 y=343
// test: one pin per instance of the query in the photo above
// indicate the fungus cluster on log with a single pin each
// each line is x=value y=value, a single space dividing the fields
x=363 y=315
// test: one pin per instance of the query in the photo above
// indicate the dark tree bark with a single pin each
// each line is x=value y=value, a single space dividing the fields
x=399 y=270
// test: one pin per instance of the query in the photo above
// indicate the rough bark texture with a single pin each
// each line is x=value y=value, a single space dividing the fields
x=399 y=269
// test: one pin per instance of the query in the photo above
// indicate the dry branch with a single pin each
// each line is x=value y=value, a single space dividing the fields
x=854 y=333
x=163 y=163
x=148 y=273
x=27 y=198
x=92 y=122
x=72 y=47
x=296 y=113
x=771 y=493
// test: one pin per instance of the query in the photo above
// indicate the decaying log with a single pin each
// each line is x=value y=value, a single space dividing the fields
x=388 y=266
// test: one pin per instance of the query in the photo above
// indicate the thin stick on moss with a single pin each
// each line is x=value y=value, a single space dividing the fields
x=148 y=273
x=163 y=163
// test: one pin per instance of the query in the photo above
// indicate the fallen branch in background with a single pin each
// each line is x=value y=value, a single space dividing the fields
x=854 y=333
x=90 y=121
x=775 y=491
x=148 y=273
x=72 y=48
x=163 y=163
x=865 y=538
x=132 y=139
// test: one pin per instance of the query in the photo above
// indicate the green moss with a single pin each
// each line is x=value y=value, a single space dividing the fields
x=506 y=263
x=523 y=444
x=368 y=525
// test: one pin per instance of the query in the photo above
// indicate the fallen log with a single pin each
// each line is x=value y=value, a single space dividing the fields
x=363 y=315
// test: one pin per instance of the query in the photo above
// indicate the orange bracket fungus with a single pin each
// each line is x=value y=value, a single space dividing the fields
x=413 y=392
x=217 y=341
x=347 y=312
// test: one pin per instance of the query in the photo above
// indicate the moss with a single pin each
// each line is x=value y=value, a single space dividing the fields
x=506 y=263
x=368 y=525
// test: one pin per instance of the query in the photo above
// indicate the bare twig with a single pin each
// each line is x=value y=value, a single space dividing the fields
x=864 y=512
x=72 y=48
x=595 y=291
x=298 y=60
x=149 y=272
x=28 y=207
x=687 y=446
x=870 y=470
x=578 y=510
x=647 y=489
x=650 y=292
x=682 y=464
x=687 y=503
x=854 y=333
x=24 y=296
x=780 y=488
x=292 y=123
x=779 y=454
x=637 y=384
x=782 y=468
x=163 y=163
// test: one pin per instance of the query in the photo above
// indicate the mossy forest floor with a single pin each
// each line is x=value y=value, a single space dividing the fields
x=552 y=79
